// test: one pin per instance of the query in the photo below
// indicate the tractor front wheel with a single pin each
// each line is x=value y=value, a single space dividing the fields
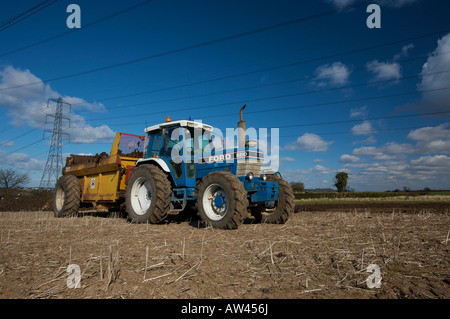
x=284 y=207
x=148 y=194
x=222 y=200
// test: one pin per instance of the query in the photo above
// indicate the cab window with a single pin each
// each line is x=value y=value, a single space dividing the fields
x=154 y=146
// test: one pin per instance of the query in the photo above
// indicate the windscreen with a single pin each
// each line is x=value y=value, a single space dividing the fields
x=132 y=145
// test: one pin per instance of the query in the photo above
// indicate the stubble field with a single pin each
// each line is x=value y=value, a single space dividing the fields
x=321 y=252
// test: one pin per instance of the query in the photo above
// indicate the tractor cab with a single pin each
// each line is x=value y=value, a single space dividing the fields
x=176 y=146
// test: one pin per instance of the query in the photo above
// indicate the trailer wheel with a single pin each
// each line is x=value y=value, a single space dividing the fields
x=284 y=207
x=148 y=194
x=67 y=196
x=222 y=200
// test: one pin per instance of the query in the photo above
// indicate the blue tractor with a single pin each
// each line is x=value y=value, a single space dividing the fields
x=182 y=169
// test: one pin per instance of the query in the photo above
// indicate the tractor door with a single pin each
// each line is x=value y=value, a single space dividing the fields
x=175 y=154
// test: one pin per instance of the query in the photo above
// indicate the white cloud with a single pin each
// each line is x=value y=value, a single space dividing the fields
x=438 y=61
x=383 y=157
x=367 y=151
x=79 y=103
x=422 y=163
x=432 y=162
x=375 y=168
x=287 y=159
x=365 y=128
x=309 y=142
x=384 y=71
x=345 y=158
x=7 y=143
x=429 y=140
x=426 y=171
x=396 y=148
x=319 y=169
x=389 y=148
x=313 y=177
x=432 y=139
x=431 y=169
x=430 y=133
x=404 y=52
x=335 y=74
x=368 y=141
x=21 y=161
x=359 y=112
x=28 y=104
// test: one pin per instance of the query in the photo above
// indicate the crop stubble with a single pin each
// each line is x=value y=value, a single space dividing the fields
x=316 y=254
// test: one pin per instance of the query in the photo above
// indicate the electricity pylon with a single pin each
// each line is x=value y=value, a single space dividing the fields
x=53 y=167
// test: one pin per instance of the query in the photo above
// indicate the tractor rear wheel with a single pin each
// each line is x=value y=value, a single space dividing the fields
x=222 y=200
x=284 y=207
x=67 y=196
x=147 y=195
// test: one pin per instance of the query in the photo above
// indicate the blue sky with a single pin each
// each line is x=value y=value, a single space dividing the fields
x=344 y=97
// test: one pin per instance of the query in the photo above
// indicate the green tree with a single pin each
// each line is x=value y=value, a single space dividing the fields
x=298 y=187
x=340 y=181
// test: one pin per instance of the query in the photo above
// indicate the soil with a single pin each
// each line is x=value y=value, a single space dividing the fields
x=22 y=201
x=386 y=207
x=321 y=252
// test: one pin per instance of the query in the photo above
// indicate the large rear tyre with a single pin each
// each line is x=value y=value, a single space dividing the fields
x=222 y=200
x=67 y=196
x=148 y=194
x=284 y=207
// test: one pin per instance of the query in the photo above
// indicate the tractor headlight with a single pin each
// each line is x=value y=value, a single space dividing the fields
x=263 y=177
x=250 y=176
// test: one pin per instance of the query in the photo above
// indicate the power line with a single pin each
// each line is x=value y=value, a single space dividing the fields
x=272 y=98
x=26 y=14
x=294 y=125
x=250 y=73
x=314 y=124
x=368 y=132
x=113 y=15
x=246 y=74
x=196 y=46
x=371 y=119
x=24 y=147
x=275 y=97
x=301 y=93
x=212 y=80
x=19 y=136
x=319 y=124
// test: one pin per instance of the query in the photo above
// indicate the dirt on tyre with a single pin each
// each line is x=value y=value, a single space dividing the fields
x=148 y=194
x=222 y=200
x=284 y=206
x=67 y=196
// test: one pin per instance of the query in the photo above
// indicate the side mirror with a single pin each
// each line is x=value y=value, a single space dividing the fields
x=165 y=132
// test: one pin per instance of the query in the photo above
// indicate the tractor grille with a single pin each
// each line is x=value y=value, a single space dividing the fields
x=245 y=166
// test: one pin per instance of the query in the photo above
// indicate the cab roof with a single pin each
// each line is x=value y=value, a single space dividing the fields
x=182 y=123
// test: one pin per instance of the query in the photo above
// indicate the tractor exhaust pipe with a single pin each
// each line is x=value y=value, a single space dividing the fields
x=241 y=129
